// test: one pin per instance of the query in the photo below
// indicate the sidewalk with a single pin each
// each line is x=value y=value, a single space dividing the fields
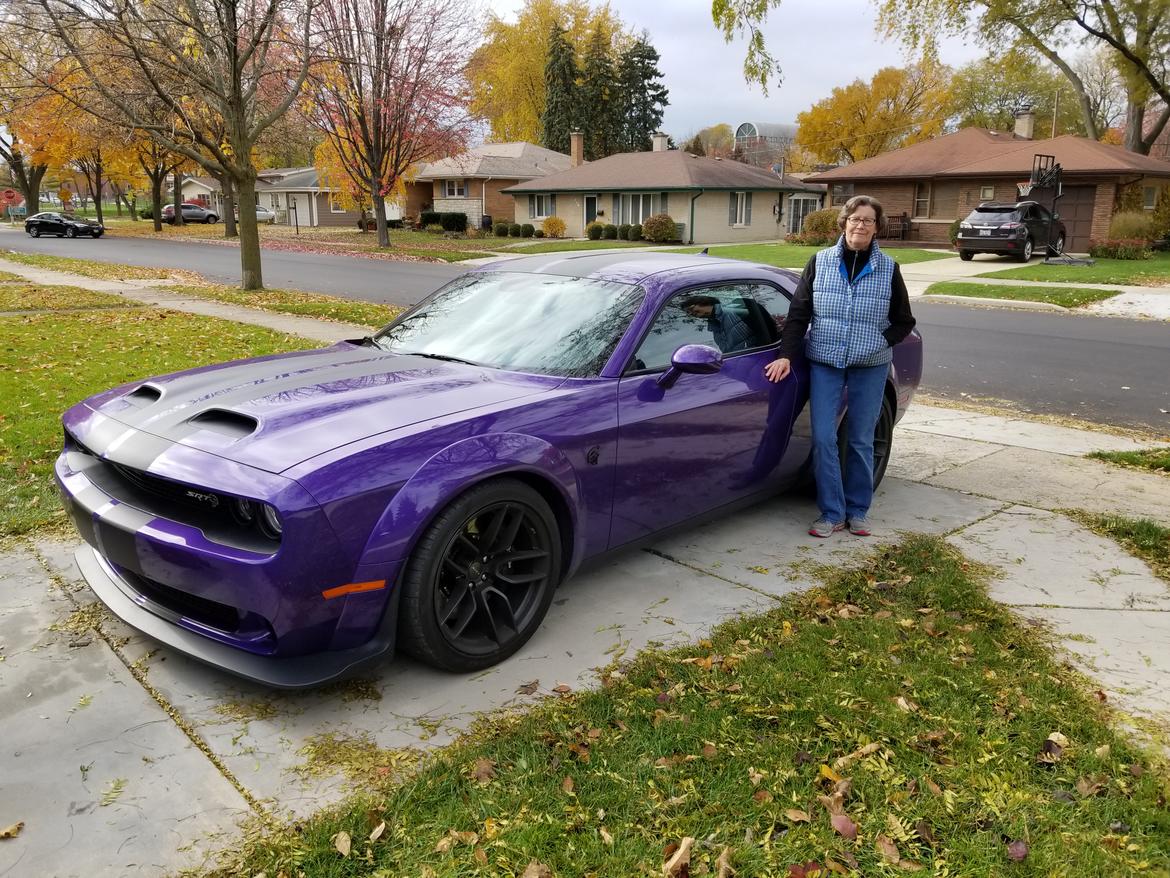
x=125 y=759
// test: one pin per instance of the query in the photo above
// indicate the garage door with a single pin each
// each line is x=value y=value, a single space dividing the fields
x=1075 y=207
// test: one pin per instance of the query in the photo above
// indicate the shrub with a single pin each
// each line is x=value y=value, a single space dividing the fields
x=659 y=228
x=1131 y=225
x=453 y=222
x=554 y=227
x=822 y=222
x=147 y=213
x=1121 y=248
x=636 y=232
x=433 y=227
x=500 y=230
x=609 y=232
x=526 y=230
x=394 y=224
x=953 y=231
x=430 y=218
x=514 y=230
x=624 y=232
x=594 y=230
x=539 y=233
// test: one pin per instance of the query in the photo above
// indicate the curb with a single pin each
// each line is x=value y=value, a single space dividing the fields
x=1010 y=304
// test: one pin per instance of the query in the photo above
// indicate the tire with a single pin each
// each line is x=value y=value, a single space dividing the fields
x=34 y=232
x=1026 y=253
x=1058 y=248
x=210 y=218
x=966 y=255
x=460 y=612
x=97 y=235
x=71 y=233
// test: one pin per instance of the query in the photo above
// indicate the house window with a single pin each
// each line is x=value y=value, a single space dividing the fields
x=922 y=199
x=739 y=209
x=839 y=193
x=275 y=201
x=454 y=189
x=542 y=206
x=987 y=193
x=635 y=207
x=335 y=205
x=1149 y=197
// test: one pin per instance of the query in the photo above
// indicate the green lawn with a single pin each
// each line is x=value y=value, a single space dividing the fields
x=1156 y=459
x=1141 y=272
x=88 y=267
x=896 y=721
x=295 y=302
x=1146 y=539
x=52 y=359
x=1066 y=297
x=794 y=256
x=33 y=297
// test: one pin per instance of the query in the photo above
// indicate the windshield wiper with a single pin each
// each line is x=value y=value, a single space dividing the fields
x=446 y=357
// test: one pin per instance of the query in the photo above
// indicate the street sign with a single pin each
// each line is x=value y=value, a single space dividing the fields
x=10 y=196
x=17 y=210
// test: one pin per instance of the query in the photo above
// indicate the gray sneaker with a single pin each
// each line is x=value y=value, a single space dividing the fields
x=859 y=527
x=822 y=527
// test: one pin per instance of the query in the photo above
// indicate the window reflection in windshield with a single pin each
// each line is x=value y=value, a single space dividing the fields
x=546 y=324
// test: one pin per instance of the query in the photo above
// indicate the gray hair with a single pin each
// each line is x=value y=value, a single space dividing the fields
x=850 y=207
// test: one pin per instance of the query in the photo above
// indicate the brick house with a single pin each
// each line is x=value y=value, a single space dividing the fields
x=473 y=181
x=938 y=181
x=715 y=200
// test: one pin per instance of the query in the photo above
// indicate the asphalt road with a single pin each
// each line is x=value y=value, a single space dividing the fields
x=1105 y=370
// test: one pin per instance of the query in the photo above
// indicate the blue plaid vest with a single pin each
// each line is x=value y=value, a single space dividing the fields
x=848 y=318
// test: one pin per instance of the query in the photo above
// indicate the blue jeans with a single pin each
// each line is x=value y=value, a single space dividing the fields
x=840 y=499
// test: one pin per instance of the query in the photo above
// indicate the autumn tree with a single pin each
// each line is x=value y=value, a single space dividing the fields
x=22 y=95
x=897 y=107
x=561 y=104
x=390 y=90
x=718 y=140
x=225 y=70
x=695 y=146
x=990 y=92
x=642 y=98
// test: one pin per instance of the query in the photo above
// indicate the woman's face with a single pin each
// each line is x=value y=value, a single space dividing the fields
x=860 y=227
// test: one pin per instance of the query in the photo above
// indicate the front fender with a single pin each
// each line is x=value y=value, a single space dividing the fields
x=458 y=467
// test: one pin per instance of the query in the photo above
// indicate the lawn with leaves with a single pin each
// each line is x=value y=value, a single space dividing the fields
x=1141 y=272
x=295 y=302
x=1066 y=297
x=794 y=256
x=9 y=277
x=34 y=297
x=50 y=360
x=1156 y=459
x=89 y=267
x=895 y=721
x=1141 y=537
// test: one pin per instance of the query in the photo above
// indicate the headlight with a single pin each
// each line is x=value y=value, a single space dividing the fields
x=965 y=226
x=243 y=511
x=270 y=524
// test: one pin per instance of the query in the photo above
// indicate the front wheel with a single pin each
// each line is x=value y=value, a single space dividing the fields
x=481 y=578
x=98 y=234
x=211 y=218
x=1026 y=252
x=966 y=255
x=70 y=233
x=34 y=232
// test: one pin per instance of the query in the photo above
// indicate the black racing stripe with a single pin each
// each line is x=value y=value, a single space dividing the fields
x=118 y=546
x=82 y=518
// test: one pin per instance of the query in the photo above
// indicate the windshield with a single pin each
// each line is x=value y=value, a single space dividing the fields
x=540 y=323
x=994 y=215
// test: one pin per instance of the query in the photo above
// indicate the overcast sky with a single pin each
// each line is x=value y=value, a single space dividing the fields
x=819 y=43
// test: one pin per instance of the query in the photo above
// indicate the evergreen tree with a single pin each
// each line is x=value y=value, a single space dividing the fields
x=561 y=98
x=599 y=99
x=695 y=146
x=643 y=96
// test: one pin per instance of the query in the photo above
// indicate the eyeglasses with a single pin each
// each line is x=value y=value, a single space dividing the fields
x=861 y=221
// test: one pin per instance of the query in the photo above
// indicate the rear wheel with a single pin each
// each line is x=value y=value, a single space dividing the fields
x=71 y=233
x=883 y=441
x=1026 y=252
x=966 y=255
x=481 y=578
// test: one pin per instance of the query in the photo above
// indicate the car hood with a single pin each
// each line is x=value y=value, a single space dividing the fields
x=275 y=412
x=81 y=221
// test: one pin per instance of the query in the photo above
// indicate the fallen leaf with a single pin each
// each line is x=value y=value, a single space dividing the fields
x=905 y=704
x=796 y=816
x=562 y=689
x=802 y=757
x=811 y=869
x=1059 y=739
x=113 y=791
x=1136 y=770
x=481 y=856
x=924 y=832
x=834 y=804
x=934 y=788
x=829 y=774
x=444 y=844
x=1100 y=696
x=844 y=826
x=605 y=836
x=528 y=688
x=883 y=614
x=1017 y=851
x=835 y=867
x=12 y=831
x=709 y=751
x=848 y=611
x=567 y=785
x=886 y=847
x=844 y=761
x=537 y=870
x=755 y=777
x=679 y=863
x=1089 y=786
x=762 y=796
x=1103 y=751
x=910 y=866
x=342 y=843
x=484 y=770
x=376 y=833
x=723 y=864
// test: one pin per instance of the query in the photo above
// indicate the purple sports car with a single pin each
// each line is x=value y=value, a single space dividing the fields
x=290 y=518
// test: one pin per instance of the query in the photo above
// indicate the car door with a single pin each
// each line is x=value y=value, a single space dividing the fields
x=53 y=224
x=707 y=440
x=1041 y=225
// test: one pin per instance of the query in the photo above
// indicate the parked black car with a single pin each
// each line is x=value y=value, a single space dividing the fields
x=59 y=224
x=1011 y=230
x=192 y=213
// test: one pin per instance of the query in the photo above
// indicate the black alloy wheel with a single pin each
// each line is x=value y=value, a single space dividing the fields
x=481 y=578
x=35 y=231
x=71 y=232
x=1026 y=252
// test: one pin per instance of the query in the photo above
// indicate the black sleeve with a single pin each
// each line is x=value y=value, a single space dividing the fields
x=800 y=312
x=901 y=320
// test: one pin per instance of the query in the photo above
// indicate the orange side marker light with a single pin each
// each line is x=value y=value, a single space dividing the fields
x=353 y=588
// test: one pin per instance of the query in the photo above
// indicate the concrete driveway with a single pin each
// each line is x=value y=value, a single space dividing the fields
x=125 y=759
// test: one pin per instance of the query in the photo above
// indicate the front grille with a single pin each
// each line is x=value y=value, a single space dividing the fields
x=205 y=612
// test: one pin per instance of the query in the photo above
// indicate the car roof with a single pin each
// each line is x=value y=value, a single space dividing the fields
x=1004 y=205
x=632 y=268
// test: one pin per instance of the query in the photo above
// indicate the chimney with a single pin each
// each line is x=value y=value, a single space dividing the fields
x=1025 y=122
x=576 y=148
x=660 y=141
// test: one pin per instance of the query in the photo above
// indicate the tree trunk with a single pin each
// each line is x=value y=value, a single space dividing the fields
x=380 y=217
x=96 y=190
x=229 y=207
x=156 y=202
x=28 y=181
x=1135 y=119
x=118 y=196
x=250 y=274
x=178 y=199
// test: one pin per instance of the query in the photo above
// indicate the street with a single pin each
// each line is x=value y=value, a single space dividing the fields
x=1104 y=370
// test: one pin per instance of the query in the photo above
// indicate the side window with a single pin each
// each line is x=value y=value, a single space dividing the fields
x=732 y=318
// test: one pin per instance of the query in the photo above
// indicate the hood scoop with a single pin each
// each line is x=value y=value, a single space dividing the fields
x=143 y=396
x=227 y=423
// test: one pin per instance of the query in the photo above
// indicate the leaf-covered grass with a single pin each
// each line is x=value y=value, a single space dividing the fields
x=295 y=302
x=1066 y=297
x=89 y=267
x=569 y=246
x=1146 y=539
x=1142 y=272
x=1156 y=459
x=897 y=695
x=796 y=256
x=9 y=277
x=34 y=297
x=50 y=361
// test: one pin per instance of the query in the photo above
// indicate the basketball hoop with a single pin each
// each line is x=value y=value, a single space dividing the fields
x=1025 y=189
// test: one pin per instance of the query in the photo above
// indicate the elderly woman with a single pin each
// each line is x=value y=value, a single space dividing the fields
x=855 y=298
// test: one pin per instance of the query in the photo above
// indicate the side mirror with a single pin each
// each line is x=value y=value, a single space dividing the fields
x=691 y=359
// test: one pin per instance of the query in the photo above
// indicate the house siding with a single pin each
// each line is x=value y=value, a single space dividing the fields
x=712 y=215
